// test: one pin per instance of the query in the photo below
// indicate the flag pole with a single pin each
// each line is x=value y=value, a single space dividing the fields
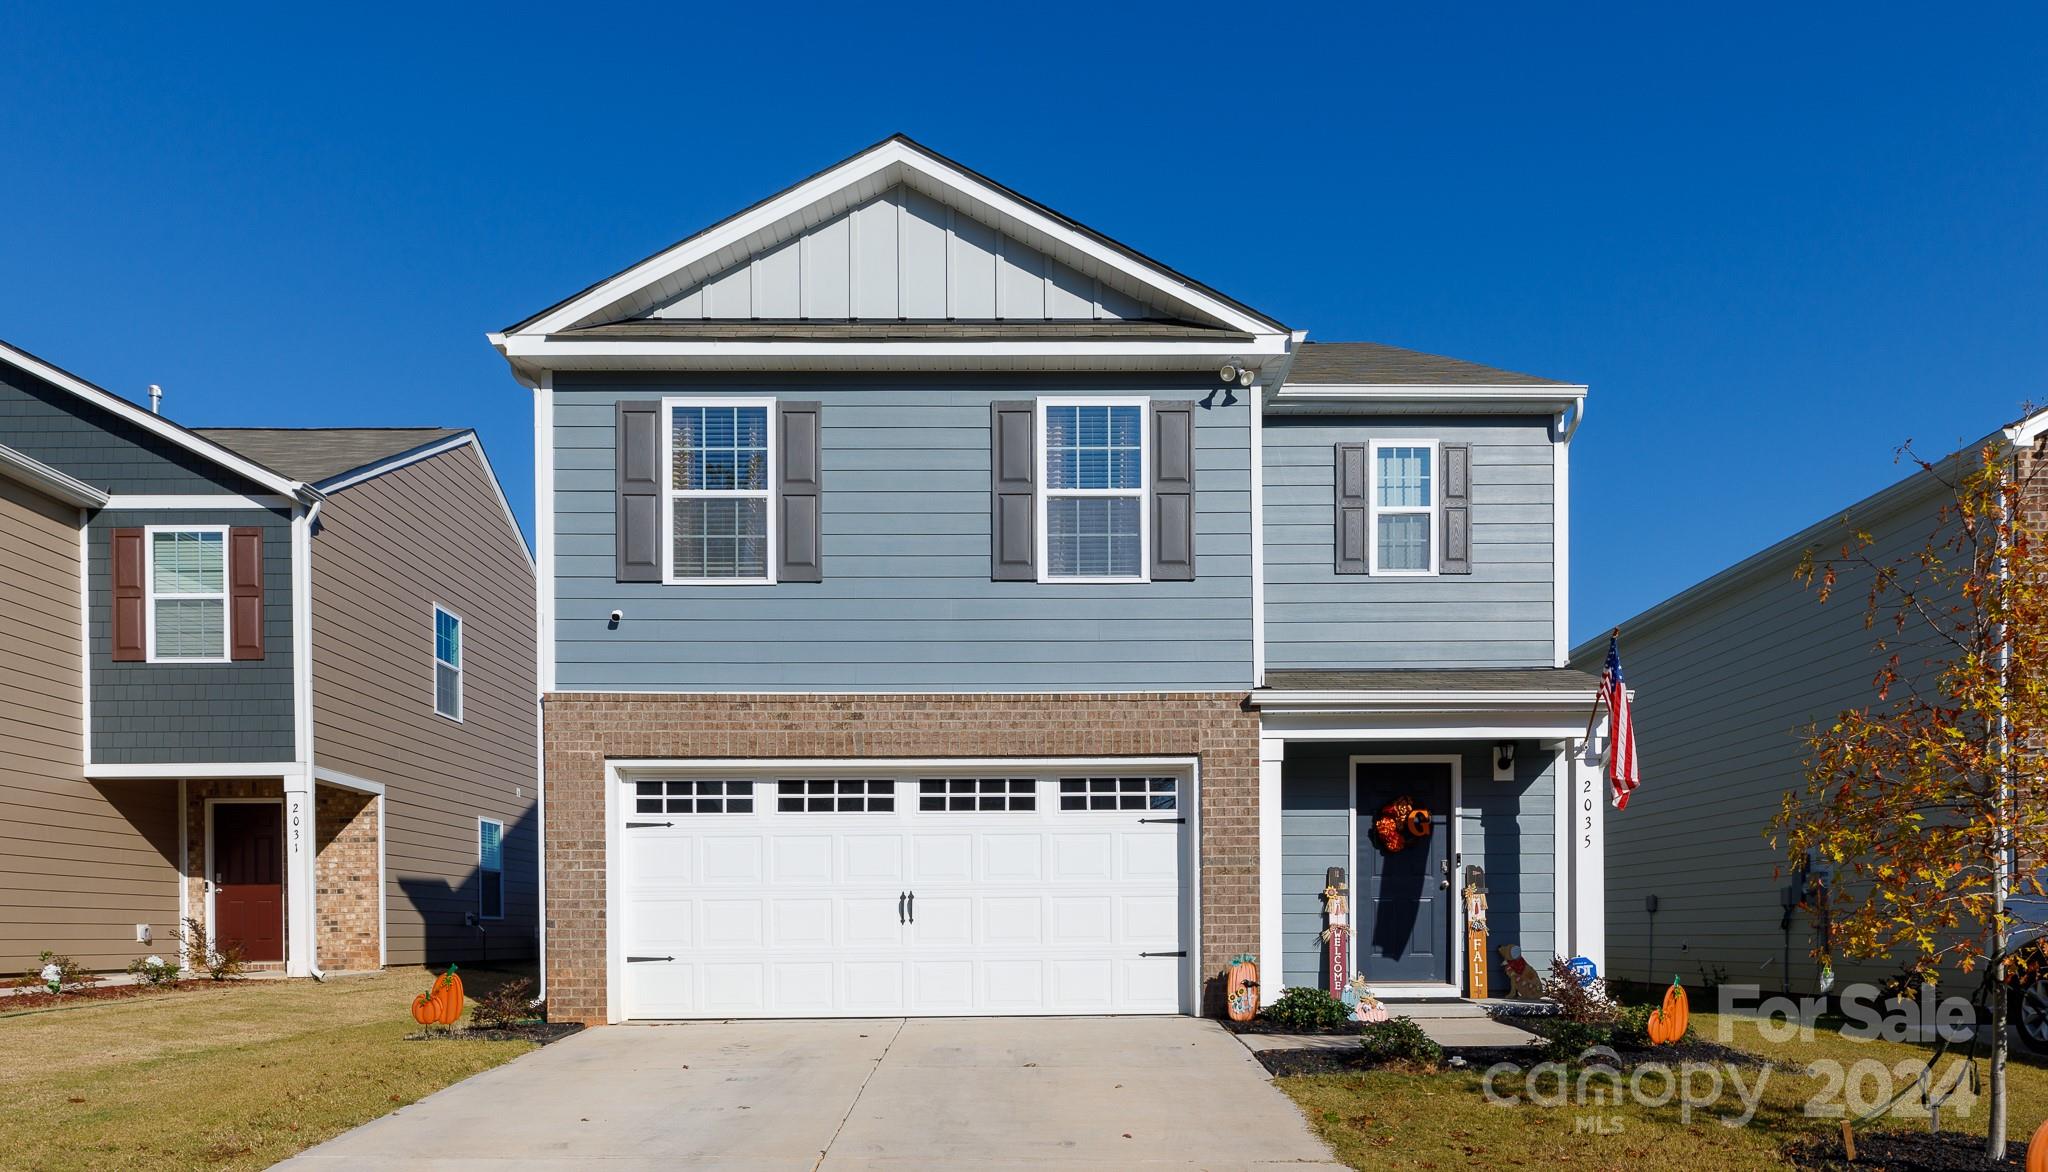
x=1593 y=717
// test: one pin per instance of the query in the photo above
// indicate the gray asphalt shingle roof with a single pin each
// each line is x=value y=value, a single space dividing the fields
x=314 y=454
x=1371 y=363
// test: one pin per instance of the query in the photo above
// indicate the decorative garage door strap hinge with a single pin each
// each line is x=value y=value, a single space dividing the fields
x=1182 y=952
x=646 y=825
x=1162 y=819
x=646 y=959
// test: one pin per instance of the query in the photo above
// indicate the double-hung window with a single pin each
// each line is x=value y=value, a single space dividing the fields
x=1404 y=513
x=490 y=866
x=1094 y=523
x=447 y=663
x=721 y=518
x=187 y=609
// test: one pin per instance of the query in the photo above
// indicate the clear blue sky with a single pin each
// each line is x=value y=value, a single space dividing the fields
x=1776 y=240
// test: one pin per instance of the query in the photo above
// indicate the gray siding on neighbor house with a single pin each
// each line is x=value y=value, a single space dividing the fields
x=1499 y=615
x=1505 y=827
x=150 y=712
x=1726 y=690
x=906 y=602
x=95 y=446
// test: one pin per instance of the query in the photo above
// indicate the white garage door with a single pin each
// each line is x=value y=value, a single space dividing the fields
x=908 y=894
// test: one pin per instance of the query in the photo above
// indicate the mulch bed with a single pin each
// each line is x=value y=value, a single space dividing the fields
x=1262 y=1025
x=540 y=1032
x=45 y=999
x=1902 y=1151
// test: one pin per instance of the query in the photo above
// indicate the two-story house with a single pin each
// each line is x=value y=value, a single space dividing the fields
x=949 y=610
x=277 y=681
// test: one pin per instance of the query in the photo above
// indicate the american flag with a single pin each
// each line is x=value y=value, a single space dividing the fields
x=1623 y=770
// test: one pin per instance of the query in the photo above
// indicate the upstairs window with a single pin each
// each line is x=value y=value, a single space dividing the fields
x=1404 y=513
x=1094 y=502
x=188 y=594
x=721 y=473
x=447 y=663
x=490 y=863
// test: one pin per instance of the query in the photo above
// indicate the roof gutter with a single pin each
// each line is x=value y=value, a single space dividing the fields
x=1423 y=700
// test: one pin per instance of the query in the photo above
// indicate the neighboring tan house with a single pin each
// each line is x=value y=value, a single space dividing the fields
x=1730 y=675
x=281 y=681
x=949 y=610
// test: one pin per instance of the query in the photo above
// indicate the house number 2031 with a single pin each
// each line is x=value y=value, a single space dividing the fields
x=295 y=822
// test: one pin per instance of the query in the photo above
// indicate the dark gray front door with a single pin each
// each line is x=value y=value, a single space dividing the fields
x=1403 y=913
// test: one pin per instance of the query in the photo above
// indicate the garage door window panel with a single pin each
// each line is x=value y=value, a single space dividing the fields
x=693 y=797
x=1119 y=793
x=835 y=797
x=976 y=794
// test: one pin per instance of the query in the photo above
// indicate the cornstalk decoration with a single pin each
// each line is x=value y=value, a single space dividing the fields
x=1925 y=799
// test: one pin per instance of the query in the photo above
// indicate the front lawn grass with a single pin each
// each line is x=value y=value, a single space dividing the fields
x=1383 y=1119
x=237 y=1076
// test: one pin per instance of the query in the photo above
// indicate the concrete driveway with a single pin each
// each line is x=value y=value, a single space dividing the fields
x=891 y=1093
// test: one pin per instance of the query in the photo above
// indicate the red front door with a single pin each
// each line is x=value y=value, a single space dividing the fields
x=248 y=878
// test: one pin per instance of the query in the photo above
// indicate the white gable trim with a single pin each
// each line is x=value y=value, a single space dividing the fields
x=902 y=161
x=51 y=482
x=155 y=424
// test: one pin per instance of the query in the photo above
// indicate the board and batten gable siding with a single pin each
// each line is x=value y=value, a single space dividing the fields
x=1499 y=615
x=1505 y=827
x=1724 y=694
x=96 y=446
x=906 y=603
x=388 y=550
x=172 y=712
x=80 y=864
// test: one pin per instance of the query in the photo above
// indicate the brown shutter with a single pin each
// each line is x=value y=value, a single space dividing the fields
x=639 y=486
x=798 y=558
x=1457 y=509
x=245 y=592
x=130 y=625
x=1173 y=492
x=1013 y=493
x=1354 y=514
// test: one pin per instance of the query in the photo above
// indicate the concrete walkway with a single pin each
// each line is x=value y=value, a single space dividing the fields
x=892 y=1093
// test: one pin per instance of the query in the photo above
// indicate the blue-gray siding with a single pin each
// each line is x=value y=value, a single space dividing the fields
x=150 y=712
x=906 y=602
x=1506 y=827
x=1499 y=615
x=95 y=446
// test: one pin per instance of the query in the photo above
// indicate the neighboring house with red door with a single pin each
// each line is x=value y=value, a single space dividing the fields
x=280 y=681
x=950 y=610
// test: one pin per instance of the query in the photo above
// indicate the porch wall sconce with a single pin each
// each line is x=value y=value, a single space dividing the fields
x=1504 y=761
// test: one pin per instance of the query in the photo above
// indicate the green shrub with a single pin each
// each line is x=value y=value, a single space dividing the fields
x=153 y=970
x=223 y=964
x=55 y=971
x=1567 y=1041
x=1631 y=1027
x=1399 y=1039
x=1302 y=1008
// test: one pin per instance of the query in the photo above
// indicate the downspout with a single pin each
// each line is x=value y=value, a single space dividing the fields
x=302 y=687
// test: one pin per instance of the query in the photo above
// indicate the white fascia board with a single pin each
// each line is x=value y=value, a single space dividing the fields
x=811 y=765
x=190 y=770
x=131 y=500
x=337 y=778
x=1422 y=701
x=559 y=352
x=1428 y=397
x=49 y=481
x=892 y=153
x=2027 y=432
x=156 y=424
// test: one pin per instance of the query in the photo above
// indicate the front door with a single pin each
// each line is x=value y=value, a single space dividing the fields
x=248 y=879
x=1403 y=897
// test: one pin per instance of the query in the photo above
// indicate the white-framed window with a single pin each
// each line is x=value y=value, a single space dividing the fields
x=490 y=866
x=1093 y=523
x=447 y=663
x=719 y=507
x=186 y=576
x=1404 y=539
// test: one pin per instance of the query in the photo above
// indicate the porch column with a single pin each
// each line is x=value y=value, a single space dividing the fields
x=299 y=876
x=1589 y=859
x=1272 y=754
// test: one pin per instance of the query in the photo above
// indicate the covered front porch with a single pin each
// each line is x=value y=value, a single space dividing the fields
x=1483 y=779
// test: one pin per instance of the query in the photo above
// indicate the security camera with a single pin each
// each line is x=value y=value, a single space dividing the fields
x=618 y=616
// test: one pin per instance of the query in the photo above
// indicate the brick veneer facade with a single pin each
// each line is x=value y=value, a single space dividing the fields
x=346 y=897
x=584 y=730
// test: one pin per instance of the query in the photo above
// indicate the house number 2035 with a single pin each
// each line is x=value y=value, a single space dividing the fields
x=1586 y=799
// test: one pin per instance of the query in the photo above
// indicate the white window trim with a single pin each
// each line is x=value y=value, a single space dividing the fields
x=1434 y=509
x=150 y=595
x=669 y=492
x=461 y=655
x=499 y=823
x=1143 y=492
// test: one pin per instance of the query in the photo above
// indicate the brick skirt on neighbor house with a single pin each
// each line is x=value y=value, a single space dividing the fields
x=584 y=730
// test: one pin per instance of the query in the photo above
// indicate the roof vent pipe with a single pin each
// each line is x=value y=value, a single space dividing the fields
x=156 y=399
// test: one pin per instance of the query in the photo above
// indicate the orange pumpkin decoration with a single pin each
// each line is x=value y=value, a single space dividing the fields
x=1669 y=1021
x=441 y=1005
x=1241 y=995
x=2037 y=1149
x=424 y=1009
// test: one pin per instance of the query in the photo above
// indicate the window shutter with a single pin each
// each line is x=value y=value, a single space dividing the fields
x=1457 y=509
x=798 y=559
x=1354 y=513
x=130 y=625
x=1173 y=492
x=245 y=592
x=639 y=492
x=1013 y=478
